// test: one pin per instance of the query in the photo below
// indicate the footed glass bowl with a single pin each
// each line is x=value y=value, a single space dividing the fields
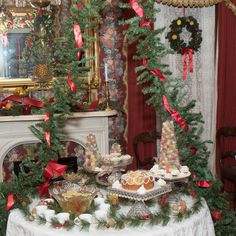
x=73 y=198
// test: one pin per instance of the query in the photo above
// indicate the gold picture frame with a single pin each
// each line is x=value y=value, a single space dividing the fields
x=9 y=85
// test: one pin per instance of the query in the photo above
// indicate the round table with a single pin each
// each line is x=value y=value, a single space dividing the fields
x=199 y=224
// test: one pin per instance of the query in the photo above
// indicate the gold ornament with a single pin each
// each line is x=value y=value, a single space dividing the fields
x=191 y=23
x=179 y=22
x=114 y=199
x=8 y=106
x=174 y=37
x=111 y=223
x=21 y=91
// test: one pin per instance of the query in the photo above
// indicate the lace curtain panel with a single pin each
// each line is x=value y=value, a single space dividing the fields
x=201 y=84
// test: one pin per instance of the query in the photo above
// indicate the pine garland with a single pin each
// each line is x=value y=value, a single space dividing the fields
x=192 y=150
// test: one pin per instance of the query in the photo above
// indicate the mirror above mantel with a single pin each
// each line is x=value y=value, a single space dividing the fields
x=14 y=32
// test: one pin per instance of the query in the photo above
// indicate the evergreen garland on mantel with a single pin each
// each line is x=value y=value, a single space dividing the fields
x=168 y=99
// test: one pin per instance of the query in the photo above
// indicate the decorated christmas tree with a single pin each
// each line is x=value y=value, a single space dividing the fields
x=169 y=157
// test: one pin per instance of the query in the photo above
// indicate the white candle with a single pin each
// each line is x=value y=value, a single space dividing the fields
x=106 y=75
x=89 y=77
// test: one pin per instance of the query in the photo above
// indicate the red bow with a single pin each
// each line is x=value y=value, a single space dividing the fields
x=216 y=214
x=78 y=38
x=47 y=116
x=145 y=23
x=158 y=73
x=51 y=170
x=204 y=184
x=80 y=7
x=25 y=101
x=187 y=52
x=11 y=202
x=175 y=115
x=40 y=12
x=136 y=8
x=145 y=62
x=71 y=83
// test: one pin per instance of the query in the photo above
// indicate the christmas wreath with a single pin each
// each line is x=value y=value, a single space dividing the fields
x=176 y=28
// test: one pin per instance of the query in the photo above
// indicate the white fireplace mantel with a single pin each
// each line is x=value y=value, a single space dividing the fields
x=14 y=130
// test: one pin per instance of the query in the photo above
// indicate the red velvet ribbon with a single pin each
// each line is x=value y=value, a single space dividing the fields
x=47 y=116
x=187 y=53
x=145 y=62
x=175 y=115
x=136 y=7
x=78 y=38
x=158 y=73
x=10 y=202
x=145 y=23
x=204 y=184
x=192 y=193
x=29 y=44
x=25 y=101
x=40 y=12
x=47 y=133
x=193 y=150
x=48 y=137
x=71 y=83
x=80 y=7
x=51 y=170
x=19 y=199
x=216 y=214
x=33 y=102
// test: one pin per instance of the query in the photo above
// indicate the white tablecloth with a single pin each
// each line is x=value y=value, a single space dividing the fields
x=199 y=224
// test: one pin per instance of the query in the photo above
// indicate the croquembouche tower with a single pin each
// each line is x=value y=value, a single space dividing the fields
x=169 y=156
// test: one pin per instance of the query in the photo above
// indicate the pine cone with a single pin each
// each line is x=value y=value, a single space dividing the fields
x=41 y=71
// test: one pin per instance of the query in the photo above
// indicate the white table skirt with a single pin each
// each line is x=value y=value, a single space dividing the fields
x=199 y=224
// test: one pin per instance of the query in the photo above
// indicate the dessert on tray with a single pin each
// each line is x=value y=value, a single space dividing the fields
x=115 y=157
x=169 y=167
x=182 y=172
x=133 y=180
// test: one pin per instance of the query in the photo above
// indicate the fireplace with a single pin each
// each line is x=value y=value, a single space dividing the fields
x=14 y=130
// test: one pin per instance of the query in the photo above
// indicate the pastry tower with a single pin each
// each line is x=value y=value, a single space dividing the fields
x=92 y=155
x=169 y=157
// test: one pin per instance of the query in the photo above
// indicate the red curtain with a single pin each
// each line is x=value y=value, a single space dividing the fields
x=141 y=117
x=226 y=107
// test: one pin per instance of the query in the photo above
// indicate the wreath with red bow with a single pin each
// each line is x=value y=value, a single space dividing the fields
x=182 y=47
x=176 y=28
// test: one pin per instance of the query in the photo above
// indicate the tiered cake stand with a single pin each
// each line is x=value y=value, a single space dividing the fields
x=113 y=170
x=139 y=208
x=175 y=179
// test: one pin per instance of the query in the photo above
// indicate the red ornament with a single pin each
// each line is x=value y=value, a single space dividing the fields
x=192 y=193
x=193 y=150
x=216 y=214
